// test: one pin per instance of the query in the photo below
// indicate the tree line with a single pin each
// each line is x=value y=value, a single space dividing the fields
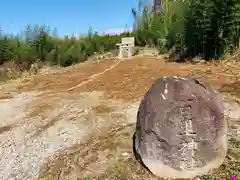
x=189 y=28
x=185 y=28
x=40 y=43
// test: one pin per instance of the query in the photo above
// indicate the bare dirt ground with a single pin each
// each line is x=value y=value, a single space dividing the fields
x=77 y=122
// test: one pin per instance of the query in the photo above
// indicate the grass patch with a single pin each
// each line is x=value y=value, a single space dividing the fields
x=209 y=177
x=87 y=178
x=229 y=169
x=118 y=172
x=234 y=143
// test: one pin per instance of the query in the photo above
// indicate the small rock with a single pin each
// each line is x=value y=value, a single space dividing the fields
x=125 y=154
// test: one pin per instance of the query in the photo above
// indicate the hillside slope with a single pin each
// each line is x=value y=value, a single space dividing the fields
x=78 y=122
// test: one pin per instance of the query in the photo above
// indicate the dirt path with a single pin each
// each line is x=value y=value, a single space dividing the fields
x=34 y=127
x=78 y=122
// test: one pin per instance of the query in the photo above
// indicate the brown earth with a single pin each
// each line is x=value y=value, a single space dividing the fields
x=107 y=152
x=132 y=78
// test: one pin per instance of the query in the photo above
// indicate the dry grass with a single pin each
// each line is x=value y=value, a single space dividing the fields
x=232 y=88
x=66 y=79
x=5 y=96
x=133 y=77
x=90 y=154
x=102 y=109
x=100 y=157
x=109 y=157
x=5 y=128
x=39 y=109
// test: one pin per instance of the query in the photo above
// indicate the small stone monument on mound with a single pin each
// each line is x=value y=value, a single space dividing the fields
x=181 y=131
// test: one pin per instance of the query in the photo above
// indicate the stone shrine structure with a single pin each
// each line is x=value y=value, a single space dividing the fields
x=181 y=131
x=126 y=47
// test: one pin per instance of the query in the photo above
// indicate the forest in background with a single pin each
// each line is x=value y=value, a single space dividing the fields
x=208 y=29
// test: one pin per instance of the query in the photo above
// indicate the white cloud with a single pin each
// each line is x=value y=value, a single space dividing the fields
x=117 y=31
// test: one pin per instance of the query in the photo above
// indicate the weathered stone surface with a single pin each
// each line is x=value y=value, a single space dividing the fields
x=181 y=131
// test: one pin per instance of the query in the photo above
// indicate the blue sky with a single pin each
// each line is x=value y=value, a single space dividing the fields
x=68 y=16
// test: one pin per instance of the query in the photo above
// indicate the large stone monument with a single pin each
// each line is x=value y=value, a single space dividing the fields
x=181 y=131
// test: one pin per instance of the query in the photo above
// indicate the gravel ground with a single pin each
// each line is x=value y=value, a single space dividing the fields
x=25 y=146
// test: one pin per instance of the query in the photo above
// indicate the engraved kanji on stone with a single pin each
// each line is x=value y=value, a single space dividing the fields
x=187 y=163
x=188 y=116
x=182 y=164
x=189 y=120
x=149 y=152
x=191 y=164
x=184 y=148
x=183 y=124
x=152 y=152
x=188 y=127
x=185 y=110
x=192 y=145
